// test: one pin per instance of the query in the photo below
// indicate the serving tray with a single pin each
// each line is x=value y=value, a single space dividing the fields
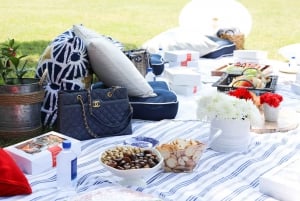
x=223 y=84
x=288 y=120
x=223 y=69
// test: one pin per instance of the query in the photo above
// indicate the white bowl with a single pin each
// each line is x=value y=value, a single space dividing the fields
x=141 y=141
x=134 y=176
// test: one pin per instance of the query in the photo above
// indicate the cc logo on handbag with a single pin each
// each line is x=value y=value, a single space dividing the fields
x=96 y=104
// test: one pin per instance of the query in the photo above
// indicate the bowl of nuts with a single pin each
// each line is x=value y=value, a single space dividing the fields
x=131 y=163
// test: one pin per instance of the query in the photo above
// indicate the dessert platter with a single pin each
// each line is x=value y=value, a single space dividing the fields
x=239 y=67
x=256 y=80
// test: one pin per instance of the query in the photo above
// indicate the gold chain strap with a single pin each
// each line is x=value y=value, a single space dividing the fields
x=79 y=98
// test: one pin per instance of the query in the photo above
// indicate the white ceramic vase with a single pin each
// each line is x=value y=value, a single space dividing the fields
x=271 y=113
x=235 y=136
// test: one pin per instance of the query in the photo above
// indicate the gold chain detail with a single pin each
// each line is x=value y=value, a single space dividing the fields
x=79 y=98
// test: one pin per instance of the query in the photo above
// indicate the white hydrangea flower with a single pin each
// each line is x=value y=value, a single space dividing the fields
x=222 y=106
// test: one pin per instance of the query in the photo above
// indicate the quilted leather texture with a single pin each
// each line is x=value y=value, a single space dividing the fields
x=111 y=118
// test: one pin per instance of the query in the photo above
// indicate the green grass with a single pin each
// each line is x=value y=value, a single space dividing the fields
x=275 y=24
x=35 y=23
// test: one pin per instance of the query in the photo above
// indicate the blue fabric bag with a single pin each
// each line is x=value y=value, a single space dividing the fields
x=163 y=106
x=224 y=49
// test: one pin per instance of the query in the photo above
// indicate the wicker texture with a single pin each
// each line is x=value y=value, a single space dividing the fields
x=237 y=39
x=234 y=35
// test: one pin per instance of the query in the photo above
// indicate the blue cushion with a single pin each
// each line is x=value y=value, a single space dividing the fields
x=225 y=48
x=162 y=106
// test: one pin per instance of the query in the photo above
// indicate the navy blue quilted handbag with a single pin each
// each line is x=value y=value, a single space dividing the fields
x=95 y=113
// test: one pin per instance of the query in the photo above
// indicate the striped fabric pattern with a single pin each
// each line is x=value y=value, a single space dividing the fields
x=217 y=177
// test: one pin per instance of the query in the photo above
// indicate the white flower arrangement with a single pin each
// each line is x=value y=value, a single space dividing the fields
x=219 y=105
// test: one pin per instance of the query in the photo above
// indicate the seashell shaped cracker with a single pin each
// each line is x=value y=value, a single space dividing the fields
x=181 y=155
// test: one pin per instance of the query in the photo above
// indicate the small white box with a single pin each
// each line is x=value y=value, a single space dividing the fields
x=186 y=90
x=181 y=55
x=282 y=182
x=252 y=61
x=250 y=54
x=192 y=64
x=38 y=154
x=182 y=76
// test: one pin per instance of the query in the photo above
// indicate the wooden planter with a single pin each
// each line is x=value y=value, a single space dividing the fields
x=20 y=109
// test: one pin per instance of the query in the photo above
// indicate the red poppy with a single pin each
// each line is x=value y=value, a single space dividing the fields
x=271 y=99
x=241 y=93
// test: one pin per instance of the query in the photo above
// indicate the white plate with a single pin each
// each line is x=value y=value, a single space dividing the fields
x=289 y=70
x=141 y=141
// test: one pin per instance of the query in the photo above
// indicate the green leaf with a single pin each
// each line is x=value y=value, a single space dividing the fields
x=15 y=61
x=20 y=57
x=11 y=42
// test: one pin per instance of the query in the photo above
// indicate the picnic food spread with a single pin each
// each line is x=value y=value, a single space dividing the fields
x=239 y=67
x=251 y=77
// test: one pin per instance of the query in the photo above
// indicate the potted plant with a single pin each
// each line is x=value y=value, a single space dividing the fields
x=20 y=97
x=271 y=105
x=233 y=113
x=11 y=67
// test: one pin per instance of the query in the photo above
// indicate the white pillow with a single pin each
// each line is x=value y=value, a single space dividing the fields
x=87 y=33
x=181 y=39
x=112 y=66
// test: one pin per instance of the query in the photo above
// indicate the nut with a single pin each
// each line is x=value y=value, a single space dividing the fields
x=125 y=157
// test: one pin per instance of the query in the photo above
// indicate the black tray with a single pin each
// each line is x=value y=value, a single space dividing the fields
x=223 y=84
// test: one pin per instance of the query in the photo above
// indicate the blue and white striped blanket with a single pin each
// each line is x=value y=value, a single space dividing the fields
x=218 y=176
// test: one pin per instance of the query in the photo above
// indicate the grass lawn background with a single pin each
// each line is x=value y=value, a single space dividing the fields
x=33 y=24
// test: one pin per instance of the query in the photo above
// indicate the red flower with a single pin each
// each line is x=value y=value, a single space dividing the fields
x=241 y=93
x=271 y=99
